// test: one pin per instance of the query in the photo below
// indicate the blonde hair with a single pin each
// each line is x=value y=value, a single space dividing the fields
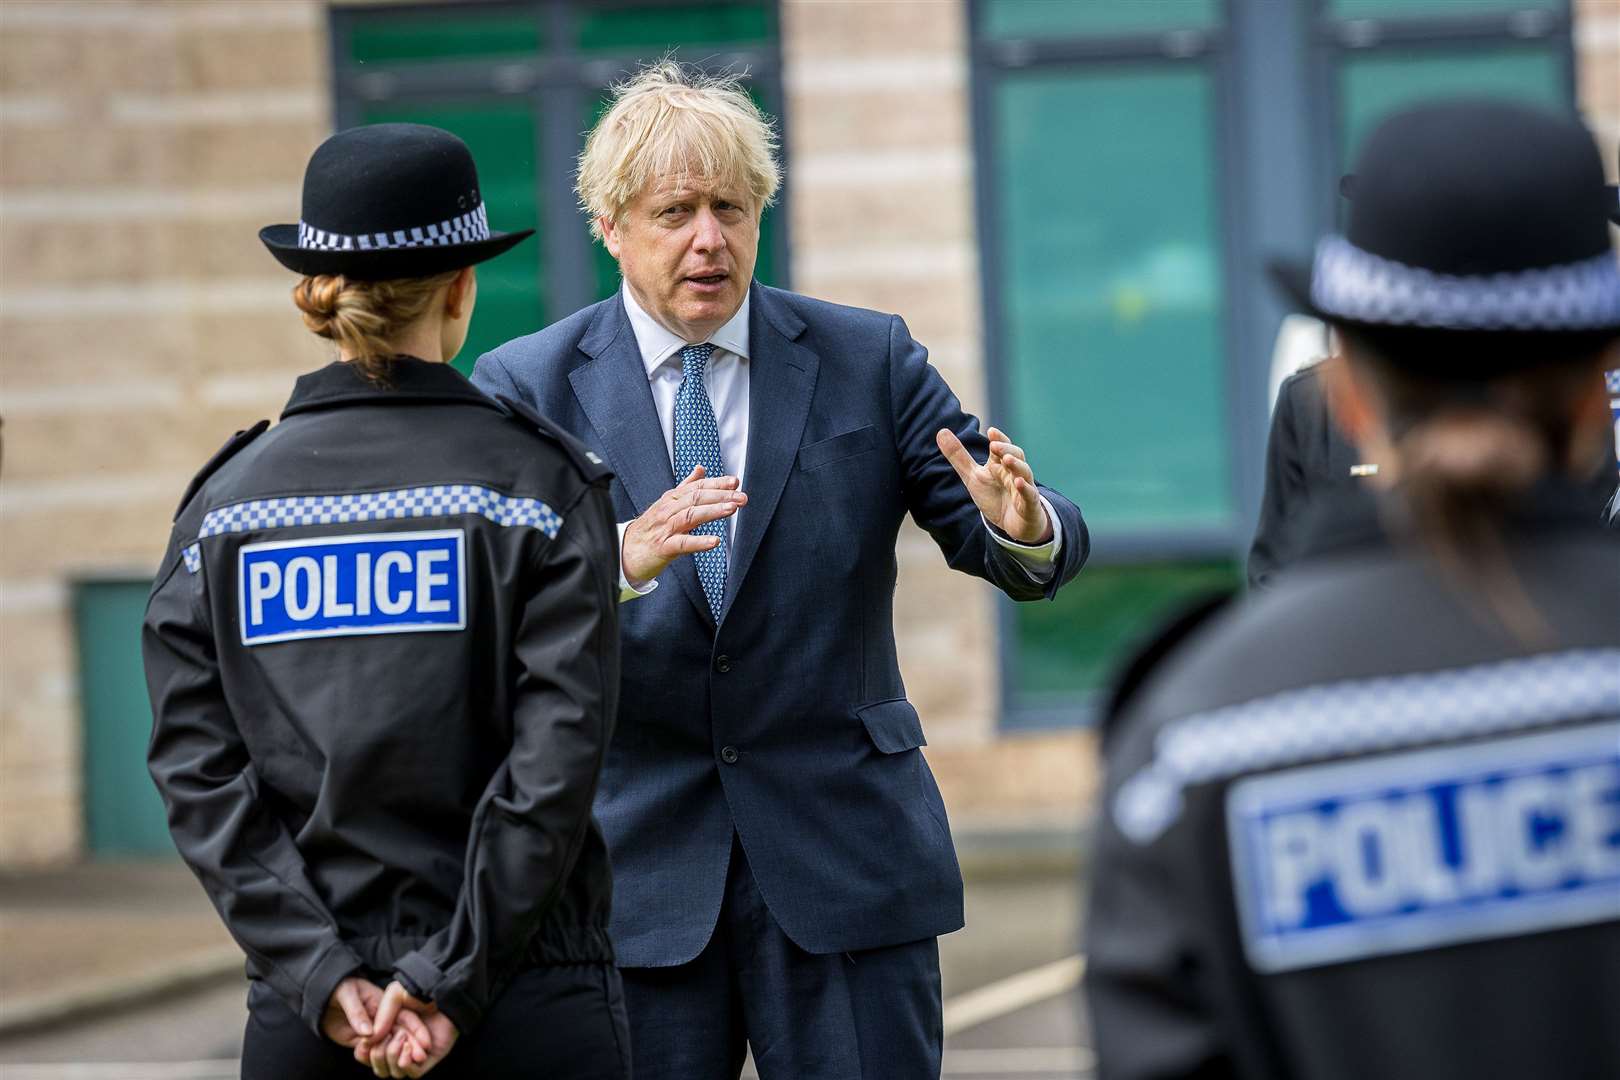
x=364 y=316
x=670 y=120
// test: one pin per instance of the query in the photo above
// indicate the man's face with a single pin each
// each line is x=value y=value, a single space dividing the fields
x=687 y=252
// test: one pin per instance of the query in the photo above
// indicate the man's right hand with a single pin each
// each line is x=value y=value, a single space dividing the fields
x=664 y=532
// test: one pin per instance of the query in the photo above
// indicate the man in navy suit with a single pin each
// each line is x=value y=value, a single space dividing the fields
x=782 y=860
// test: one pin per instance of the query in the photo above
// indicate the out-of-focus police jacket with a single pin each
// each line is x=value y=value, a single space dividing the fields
x=1308 y=460
x=1353 y=828
x=382 y=651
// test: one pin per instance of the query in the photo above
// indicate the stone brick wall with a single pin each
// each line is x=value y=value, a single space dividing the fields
x=141 y=146
x=142 y=142
x=1597 y=74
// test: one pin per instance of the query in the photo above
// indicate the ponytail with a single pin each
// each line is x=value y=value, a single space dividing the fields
x=364 y=316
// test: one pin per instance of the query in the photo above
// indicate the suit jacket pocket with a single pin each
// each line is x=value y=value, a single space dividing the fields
x=837 y=448
x=893 y=725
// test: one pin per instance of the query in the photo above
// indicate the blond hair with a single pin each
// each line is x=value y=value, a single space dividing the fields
x=672 y=121
x=364 y=316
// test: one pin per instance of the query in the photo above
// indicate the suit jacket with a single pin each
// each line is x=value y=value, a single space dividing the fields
x=786 y=723
x=1306 y=458
x=1308 y=461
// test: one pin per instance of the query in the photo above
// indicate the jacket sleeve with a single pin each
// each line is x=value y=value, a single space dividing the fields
x=1145 y=979
x=532 y=819
x=491 y=376
x=239 y=849
x=921 y=404
x=1285 y=483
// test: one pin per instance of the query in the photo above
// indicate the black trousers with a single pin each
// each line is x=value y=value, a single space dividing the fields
x=561 y=1023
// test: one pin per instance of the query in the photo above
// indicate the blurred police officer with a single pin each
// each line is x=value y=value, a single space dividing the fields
x=1368 y=825
x=382 y=650
x=1308 y=457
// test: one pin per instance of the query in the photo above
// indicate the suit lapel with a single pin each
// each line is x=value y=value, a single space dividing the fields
x=781 y=383
x=613 y=391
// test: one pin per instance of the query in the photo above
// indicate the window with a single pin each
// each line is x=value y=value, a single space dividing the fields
x=1101 y=211
x=1134 y=160
x=123 y=812
x=522 y=83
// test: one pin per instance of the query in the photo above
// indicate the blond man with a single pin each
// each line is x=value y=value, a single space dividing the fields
x=782 y=860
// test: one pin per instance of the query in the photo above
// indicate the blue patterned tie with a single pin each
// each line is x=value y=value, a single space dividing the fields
x=697 y=442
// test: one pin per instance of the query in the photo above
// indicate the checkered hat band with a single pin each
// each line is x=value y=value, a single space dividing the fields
x=1360 y=717
x=440 y=500
x=466 y=229
x=1358 y=285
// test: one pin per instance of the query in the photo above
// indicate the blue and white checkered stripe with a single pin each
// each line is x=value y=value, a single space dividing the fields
x=1363 y=716
x=466 y=229
x=439 y=500
x=1356 y=284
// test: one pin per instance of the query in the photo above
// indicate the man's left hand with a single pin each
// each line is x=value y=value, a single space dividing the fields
x=1003 y=488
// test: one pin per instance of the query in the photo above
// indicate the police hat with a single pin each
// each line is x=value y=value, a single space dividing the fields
x=389 y=201
x=1470 y=216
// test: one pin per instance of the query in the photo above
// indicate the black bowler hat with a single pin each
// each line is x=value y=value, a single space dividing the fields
x=389 y=201
x=1470 y=216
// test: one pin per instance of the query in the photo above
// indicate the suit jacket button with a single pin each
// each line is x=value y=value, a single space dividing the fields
x=729 y=755
x=722 y=663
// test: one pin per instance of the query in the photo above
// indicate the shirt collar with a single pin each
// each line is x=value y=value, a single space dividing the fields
x=658 y=344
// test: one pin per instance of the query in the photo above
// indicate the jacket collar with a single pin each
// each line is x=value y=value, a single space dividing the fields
x=411 y=380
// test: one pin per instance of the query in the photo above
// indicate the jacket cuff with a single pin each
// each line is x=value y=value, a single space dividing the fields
x=423 y=978
x=337 y=964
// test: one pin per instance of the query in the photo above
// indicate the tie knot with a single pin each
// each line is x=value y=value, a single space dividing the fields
x=695 y=358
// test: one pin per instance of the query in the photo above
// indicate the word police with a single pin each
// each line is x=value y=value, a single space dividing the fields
x=381 y=583
x=1338 y=862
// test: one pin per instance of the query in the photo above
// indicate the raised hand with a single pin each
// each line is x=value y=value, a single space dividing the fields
x=349 y=1011
x=663 y=533
x=1003 y=488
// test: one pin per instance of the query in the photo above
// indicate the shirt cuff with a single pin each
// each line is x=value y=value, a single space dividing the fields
x=1039 y=561
x=628 y=591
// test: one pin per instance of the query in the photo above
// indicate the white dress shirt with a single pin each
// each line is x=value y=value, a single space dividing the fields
x=726 y=380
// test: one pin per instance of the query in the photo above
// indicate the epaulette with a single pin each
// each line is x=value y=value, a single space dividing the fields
x=1166 y=637
x=589 y=463
x=221 y=456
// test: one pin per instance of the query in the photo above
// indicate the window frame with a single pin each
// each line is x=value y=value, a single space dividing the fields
x=557 y=82
x=1335 y=40
x=1275 y=77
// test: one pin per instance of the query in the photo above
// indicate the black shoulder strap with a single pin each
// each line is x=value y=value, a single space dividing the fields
x=224 y=454
x=1166 y=637
x=589 y=463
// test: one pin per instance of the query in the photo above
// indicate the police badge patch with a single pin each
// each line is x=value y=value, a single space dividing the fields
x=1396 y=853
x=379 y=583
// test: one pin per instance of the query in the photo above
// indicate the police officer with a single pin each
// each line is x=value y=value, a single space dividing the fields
x=1308 y=458
x=382 y=650
x=1368 y=824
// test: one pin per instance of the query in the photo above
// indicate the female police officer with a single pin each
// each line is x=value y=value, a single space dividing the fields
x=1369 y=825
x=382 y=651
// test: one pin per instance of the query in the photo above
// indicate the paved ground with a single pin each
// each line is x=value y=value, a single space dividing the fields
x=1018 y=919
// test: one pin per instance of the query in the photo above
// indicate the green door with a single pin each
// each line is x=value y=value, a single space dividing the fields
x=122 y=811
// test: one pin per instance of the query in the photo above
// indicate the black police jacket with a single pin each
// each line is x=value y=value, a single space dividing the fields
x=382 y=651
x=1353 y=828
x=1309 y=461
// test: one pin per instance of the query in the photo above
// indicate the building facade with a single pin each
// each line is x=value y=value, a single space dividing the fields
x=1069 y=202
